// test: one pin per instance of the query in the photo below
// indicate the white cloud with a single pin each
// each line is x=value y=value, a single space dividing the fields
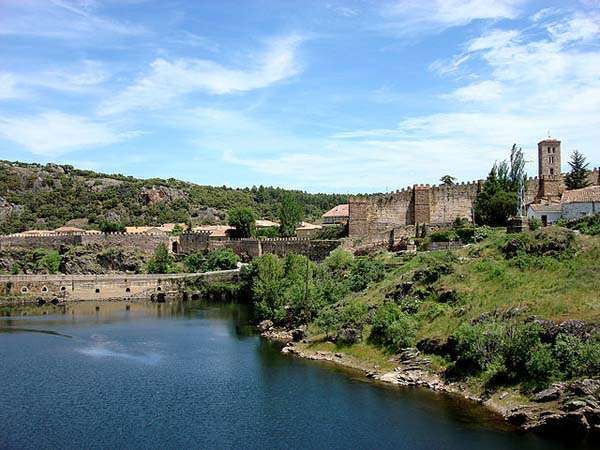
x=54 y=133
x=8 y=87
x=413 y=16
x=61 y=19
x=169 y=80
x=477 y=92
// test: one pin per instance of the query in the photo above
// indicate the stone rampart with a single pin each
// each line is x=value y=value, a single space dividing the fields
x=371 y=218
x=62 y=288
x=247 y=249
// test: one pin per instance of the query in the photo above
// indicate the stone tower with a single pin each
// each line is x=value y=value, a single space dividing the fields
x=550 y=177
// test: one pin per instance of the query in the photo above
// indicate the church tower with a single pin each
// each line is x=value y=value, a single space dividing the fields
x=551 y=182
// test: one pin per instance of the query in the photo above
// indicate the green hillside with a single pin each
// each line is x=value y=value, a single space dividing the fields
x=48 y=196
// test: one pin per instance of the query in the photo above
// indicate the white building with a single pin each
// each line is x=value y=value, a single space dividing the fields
x=580 y=202
x=573 y=205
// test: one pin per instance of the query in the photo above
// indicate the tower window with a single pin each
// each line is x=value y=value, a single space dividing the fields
x=549 y=150
x=551 y=171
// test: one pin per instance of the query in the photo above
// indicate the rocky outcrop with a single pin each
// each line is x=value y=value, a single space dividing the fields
x=157 y=194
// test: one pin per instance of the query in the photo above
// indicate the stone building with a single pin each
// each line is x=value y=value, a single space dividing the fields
x=398 y=213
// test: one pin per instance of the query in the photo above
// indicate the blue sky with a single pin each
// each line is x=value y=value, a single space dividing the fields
x=334 y=96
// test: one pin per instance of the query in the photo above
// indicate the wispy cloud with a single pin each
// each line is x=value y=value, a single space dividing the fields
x=408 y=17
x=54 y=133
x=169 y=80
x=8 y=87
x=60 y=19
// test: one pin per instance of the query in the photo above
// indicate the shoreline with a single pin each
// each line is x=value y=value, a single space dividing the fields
x=545 y=415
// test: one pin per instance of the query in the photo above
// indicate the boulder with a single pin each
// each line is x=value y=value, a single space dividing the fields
x=265 y=325
x=584 y=387
x=349 y=335
x=547 y=395
x=298 y=334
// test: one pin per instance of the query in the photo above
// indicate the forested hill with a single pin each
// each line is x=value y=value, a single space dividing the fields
x=49 y=196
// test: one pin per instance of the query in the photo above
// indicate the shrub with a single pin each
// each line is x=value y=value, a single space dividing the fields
x=365 y=270
x=50 y=261
x=392 y=327
x=161 y=262
x=339 y=261
x=221 y=259
x=107 y=226
x=534 y=223
x=194 y=261
x=443 y=236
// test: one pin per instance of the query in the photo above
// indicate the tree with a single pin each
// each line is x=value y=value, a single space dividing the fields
x=290 y=215
x=577 y=178
x=448 y=180
x=242 y=218
x=107 y=226
x=499 y=196
x=161 y=261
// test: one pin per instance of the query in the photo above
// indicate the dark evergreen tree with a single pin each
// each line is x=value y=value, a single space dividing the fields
x=577 y=178
x=242 y=218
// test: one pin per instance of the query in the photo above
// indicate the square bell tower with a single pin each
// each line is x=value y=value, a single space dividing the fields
x=551 y=182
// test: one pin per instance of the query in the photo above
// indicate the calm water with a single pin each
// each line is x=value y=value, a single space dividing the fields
x=194 y=376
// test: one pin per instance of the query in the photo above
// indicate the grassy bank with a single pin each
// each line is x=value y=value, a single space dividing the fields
x=511 y=311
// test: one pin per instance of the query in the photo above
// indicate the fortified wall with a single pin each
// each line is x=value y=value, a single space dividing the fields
x=374 y=218
x=185 y=243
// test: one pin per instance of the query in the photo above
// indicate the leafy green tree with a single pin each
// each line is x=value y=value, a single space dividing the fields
x=194 y=262
x=243 y=219
x=221 y=259
x=499 y=196
x=392 y=327
x=290 y=215
x=577 y=177
x=448 y=180
x=107 y=226
x=50 y=261
x=161 y=262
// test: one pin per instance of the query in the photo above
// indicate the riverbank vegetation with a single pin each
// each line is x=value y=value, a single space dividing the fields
x=510 y=310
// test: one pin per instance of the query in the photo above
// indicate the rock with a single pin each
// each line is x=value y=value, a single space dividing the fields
x=265 y=325
x=547 y=395
x=447 y=296
x=503 y=395
x=297 y=334
x=349 y=335
x=574 y=405
x=519 y=417
x=572 y=422
x=584 y=387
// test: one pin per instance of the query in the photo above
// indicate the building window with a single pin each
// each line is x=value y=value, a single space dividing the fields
x=97 y=290
x=63 y=289
x=549 y=151
x=127 y=290
x=159 y=288
x=551 y=171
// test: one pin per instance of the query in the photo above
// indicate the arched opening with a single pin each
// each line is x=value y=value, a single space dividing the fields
x=24 y=290
x=127 y=290
x=159 y=288
x=160 y=298
x=44 y=289
x=54 y=301
x=97 y=290
x=195 y=296
x=41 y=301
x=63 y=288
x=174 y=246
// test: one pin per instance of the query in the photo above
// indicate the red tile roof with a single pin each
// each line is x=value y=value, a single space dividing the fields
x=589 y=194
x=338 y=211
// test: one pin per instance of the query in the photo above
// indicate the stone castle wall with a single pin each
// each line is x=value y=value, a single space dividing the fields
x=373 y=218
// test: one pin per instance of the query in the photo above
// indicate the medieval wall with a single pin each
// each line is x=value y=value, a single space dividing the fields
x=373 y=218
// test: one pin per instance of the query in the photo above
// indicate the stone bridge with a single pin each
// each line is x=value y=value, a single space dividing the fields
x=62 y=288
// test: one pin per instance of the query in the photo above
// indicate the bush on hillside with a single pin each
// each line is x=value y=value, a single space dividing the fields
x=365 y=270
x=221 y=259
x=550 y=241
x=587 y=225
x=392 y=327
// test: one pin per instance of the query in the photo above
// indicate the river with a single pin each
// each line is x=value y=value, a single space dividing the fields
x=195 y=375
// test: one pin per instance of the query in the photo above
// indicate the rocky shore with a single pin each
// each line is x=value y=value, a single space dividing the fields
x=565 y=407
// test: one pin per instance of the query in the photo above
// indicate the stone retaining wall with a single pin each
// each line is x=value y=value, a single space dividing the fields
x=61 y=288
